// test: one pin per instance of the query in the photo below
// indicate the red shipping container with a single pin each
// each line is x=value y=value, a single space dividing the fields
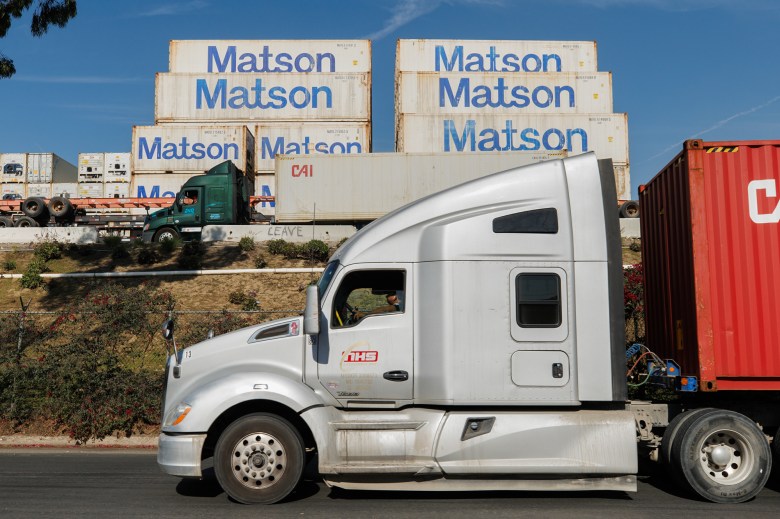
x=711 y=254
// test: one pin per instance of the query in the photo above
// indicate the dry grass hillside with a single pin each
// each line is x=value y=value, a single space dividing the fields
x=275 y=292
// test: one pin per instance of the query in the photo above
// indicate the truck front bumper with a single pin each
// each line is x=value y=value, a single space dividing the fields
x=179 y=455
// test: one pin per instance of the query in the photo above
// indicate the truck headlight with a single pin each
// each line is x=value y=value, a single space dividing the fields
x=177 y=414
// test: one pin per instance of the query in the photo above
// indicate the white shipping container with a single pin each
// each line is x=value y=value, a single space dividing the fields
x=159 y=185
x=265 y=185
x=309 y=138
x=13 y=167
x=39 y=189
x=203 y=97
x=269 y=56
x=47 y=168
x=117 y=167
x=66 y=189
x=368 y=186
x=605 y=134
x=191 y=149
x=91 y=167
x=503 y=93
x=117 y=190
x=495 y=56
x=13 y=188
x=90 y=190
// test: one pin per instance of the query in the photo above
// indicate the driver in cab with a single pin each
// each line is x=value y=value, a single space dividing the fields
x=350 y=315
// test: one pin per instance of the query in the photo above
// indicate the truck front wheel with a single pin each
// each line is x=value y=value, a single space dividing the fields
x=166 y=233
x=259 y=459
x=722 y=456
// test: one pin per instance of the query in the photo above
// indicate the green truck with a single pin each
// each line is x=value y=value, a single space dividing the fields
x=220 y=197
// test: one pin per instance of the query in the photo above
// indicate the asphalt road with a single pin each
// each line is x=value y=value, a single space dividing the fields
x=81 y=483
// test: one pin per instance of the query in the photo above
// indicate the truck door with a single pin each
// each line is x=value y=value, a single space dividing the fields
x=190 y=216
x=217 y=206
x=366 y=352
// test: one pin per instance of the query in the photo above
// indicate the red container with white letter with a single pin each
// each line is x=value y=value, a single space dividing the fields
x=711 y=256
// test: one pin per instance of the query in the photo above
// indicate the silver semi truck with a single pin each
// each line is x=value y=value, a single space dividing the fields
x=471 y=340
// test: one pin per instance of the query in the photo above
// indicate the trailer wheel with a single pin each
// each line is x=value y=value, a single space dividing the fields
x=259 y=459
x=26 y=221
x=166 y=233
x=6 y=221
x=723 y=456
x=629 y=209
x=34 y=207
x=60 y=207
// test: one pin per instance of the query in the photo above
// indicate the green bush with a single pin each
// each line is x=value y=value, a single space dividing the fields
x=316 y=250
x=246 y=244
x=260 y=262
x=147 y=254
x=120 y=252
x=32 y=277
x=191 y=255
x=9 y=265
x=112 y=241
x=168 y=246
x=47 y=250
x=277 y=247
x=246 y=300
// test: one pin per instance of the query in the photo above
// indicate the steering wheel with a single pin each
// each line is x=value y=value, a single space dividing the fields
x=352 y=318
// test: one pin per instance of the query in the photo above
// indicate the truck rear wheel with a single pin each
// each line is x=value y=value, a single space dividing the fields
x=671 y=433
x=722 y=456
x=60 y=207
x=166 y=233
x=629 y=209
x=259 y=459
x=6 y=221
x=26 y=221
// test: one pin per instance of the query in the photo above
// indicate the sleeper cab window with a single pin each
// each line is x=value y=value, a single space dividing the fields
x=536 y=221
x=538 y=297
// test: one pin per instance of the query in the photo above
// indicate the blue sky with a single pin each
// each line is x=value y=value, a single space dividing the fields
x=681 y=68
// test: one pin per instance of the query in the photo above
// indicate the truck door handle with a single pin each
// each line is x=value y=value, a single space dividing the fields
x=396 y=376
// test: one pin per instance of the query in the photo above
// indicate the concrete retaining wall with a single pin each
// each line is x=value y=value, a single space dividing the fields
x=25 y=235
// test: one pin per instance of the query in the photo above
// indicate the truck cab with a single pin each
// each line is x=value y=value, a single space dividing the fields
x=470 y=340
x=220 y=197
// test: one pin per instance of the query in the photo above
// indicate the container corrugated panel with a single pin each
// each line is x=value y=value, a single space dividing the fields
x=309 y=138
x=262 y=97
x=13 y=188
x=503 y=93
x=265 y=185
x=264 y=56
x=117 y=167
x=90 y=190
x=13 y=167
x=495 y=56
x=368 y=186
x=48 y=168
x=604 y=134
x=91 y=167
x=191 y=149
x=159 y=185
x=711 y=254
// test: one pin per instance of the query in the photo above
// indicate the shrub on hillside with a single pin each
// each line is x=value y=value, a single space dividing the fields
x=246 y=244
x=47 y=250
x=168 y=246
x=9 y=265
x=191 y=255
x=112 y=241
x=147 y=254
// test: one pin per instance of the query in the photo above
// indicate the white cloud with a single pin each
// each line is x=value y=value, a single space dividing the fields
x=174 y=8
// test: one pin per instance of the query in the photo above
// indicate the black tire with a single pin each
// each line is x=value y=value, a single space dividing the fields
x=259 y=459
x=26 y=221
x=166 y=233
x=723 y=456
x=6 y=221
x=60 y=207
x=672 y=431
x=34 y=207
x=629 y=209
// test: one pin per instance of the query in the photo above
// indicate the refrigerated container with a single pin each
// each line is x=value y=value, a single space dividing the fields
x=191 y=149
x=710 y=251
x=47 y=168
x=117 y=167
x=13 y=188
x=90 y=190
x=117 y=190
x=181 y=98
x=495 y=56
x=364 y=187
x=309 y=137
x=91 y=167
x=264 y=56
x=503 y=93
x=13 y=167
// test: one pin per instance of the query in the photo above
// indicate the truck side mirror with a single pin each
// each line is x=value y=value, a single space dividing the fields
x=167 y=329
x=311 y=314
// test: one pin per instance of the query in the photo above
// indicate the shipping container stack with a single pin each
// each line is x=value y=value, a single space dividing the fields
x=37 y=174
x=91 y=175
x=248 y=101
x=486 y=96
x=117 y=175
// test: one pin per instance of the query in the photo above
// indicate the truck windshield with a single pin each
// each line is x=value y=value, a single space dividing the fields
x=327 y=276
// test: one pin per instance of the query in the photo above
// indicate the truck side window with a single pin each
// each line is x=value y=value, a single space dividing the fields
x=365 y=293
x=190 y=197
x=537 y=221
x=538 y=300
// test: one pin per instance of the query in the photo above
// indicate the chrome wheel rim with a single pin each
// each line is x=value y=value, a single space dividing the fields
x=259 y=460
x=726 y=457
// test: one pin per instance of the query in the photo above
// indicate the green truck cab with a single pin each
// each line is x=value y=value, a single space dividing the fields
x=220 y=197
